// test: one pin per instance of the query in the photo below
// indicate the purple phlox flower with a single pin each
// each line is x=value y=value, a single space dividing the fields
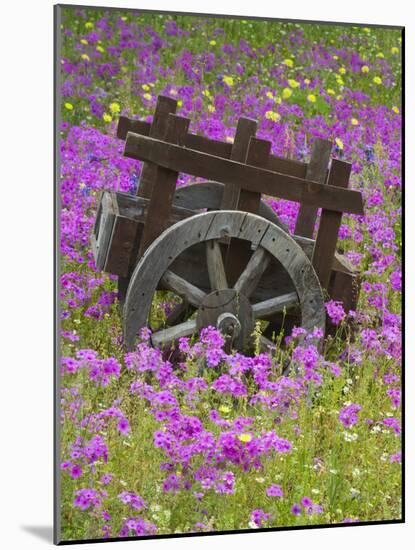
x=133 y=500
x=349 y=415
x=274 y=491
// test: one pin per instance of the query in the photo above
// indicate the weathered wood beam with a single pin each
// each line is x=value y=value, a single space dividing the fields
x=171 y=281
x=169 y=335
x=265 y=309
x=213 y=147
x=248 y=177
x=316 y=171
x=216 y=268
x=329 y=226
x=253 y=272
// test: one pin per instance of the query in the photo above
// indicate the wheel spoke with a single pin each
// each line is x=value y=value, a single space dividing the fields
x=179 y=313
x=216 y=269
x=265 y=309
x=249 y=278
x=170 y=334
x=183 y=288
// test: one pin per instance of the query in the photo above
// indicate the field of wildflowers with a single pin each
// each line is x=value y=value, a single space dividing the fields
x=207 y=441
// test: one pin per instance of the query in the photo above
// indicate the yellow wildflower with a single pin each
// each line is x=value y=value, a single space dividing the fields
x=286 y=93
x=339 y=143
x=339 y=97
x=89 y=25
x=288 y=62
x=206 y=93
x=377 y=80
x=212 y=42
x=293 y=83
x=69 y=106
x=211 y=108
x=330 y=91
x=85 y=56
x=180 y=103
x=354 y=121
x=245 y=438
x=277 y=100
x=380 y=54
x=83 y=41
x=270 y=95
x=145 y=87
x=395 y=110
x=335 y=57
x=365 y=69
x=394 y=50
x=366 y=29
x=224 y=409
x=100 y=49
x=311 y=98
x=307 y=81
x=124 y=18
x=342 y=70
x=339 y=80
x=147 y=96
x=228 y=80
x=106 y=117
x=272 y=115
x=115 y=107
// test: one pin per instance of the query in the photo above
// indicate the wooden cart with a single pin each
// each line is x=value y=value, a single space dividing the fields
x=217 y=244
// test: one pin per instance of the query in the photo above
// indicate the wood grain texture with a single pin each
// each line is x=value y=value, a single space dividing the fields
x=267 y=308
x=215 y=266
x=164 y=186
x=246 y=128
x=212 y=146
x=249 y=278
x=192 y=294
x=165 y=106
x=213 y=225
x=316 y=171
x=247 y=177
x=329 y=226
x=166 y=336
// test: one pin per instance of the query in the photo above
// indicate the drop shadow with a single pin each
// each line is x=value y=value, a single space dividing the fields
x=43 y=532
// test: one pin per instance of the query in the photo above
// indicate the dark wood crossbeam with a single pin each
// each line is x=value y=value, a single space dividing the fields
x=212 y=147
x=251 y=178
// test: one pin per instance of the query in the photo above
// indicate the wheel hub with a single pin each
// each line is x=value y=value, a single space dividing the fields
x=231 y=313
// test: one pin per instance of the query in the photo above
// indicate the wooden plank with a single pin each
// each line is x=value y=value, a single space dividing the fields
x=164 y=187
x=123 y=236
x=345 y=288
x=316 y=171
x=251 y=178
x=329 y=225
x=265 y=309
x=169 y=335
x=126 y=125
x=216 y=268
x=213 y=147
x=251 y=275
x=258 y=154
x=165 y=106
x=171 y=281
x=245 y=129
x=103 y=237
x=286 y=166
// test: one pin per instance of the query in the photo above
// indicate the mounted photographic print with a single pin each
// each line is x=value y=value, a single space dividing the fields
x=228 y=239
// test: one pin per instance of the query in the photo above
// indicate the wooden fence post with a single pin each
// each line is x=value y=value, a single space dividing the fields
x=330 y=221
x=316 y=171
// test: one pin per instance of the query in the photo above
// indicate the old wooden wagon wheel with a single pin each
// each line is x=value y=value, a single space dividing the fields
x=229 y=309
